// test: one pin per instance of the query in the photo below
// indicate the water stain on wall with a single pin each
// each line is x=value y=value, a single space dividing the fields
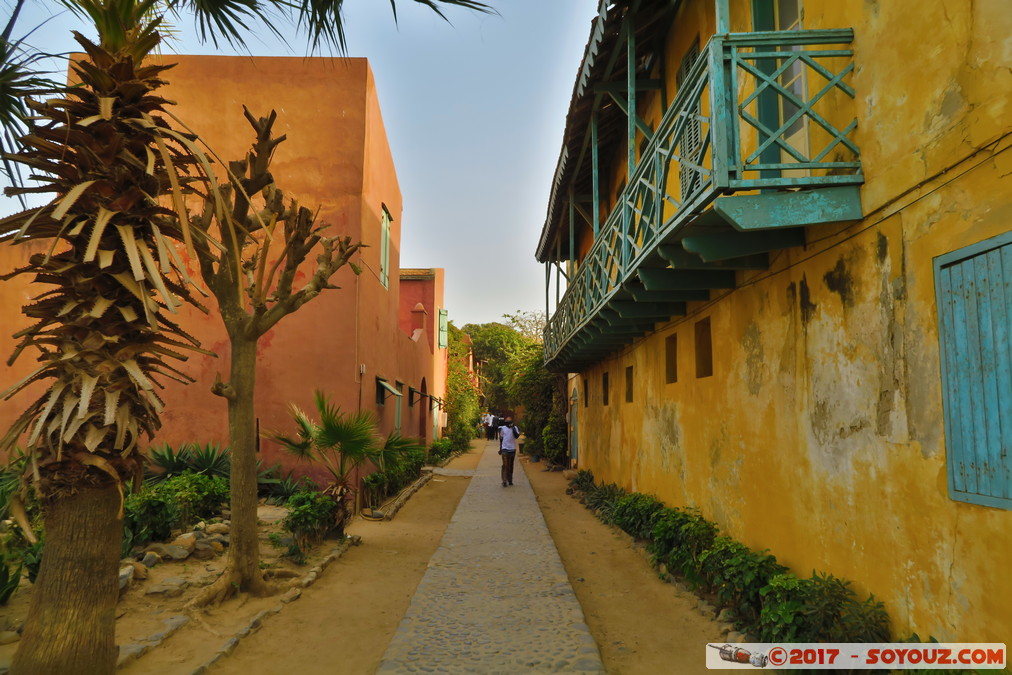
x=752 y=343
x=840 y=281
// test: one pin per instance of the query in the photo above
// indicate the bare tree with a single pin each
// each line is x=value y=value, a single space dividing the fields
x=252 y=275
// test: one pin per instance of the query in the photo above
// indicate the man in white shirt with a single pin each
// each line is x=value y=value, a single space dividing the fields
x=508 y=435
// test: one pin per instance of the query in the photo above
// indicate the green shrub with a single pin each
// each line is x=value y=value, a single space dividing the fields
x=583 y=481
x=311 y=516
x=375 y=486
x=555 y=434
x=680 y=536
x=32 y=558
x=822 y=608
x=151 y=513
x=277 y=489
x=602 y=500
x=637 y=513
x=440 y=450
x=9 y=581
x=148 y=515
x=737 y=575
x=765 y=598
x=198 y=496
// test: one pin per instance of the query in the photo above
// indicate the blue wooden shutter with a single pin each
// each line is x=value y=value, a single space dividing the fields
x=974 y=292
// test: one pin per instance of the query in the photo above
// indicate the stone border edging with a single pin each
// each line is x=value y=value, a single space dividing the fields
x=405 y=494
x=133 y=651
x=291 y=595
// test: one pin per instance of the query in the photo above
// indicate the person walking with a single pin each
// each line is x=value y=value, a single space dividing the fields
x=489 y=427
x=508 y=435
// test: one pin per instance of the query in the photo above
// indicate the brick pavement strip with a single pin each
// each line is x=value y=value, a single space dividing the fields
x=495 y=597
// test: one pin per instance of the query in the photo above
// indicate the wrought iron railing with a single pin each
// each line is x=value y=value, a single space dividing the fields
x=713 y=139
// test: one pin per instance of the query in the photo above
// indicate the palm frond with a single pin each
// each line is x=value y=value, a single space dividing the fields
x=20 y=77
x=225 y=19
x=352 y=435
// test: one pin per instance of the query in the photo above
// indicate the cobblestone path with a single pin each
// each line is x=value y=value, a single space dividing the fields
x=495 y=597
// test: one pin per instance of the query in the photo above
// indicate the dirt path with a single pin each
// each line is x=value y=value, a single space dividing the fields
x=641 y=624
x=345 y=621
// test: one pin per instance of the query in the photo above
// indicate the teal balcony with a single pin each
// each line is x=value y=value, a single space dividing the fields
x=757 y=143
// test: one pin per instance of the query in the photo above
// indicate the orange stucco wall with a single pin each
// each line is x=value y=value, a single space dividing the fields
x=336 y=158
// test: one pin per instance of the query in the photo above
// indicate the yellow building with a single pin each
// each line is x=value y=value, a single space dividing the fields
x=782 y=286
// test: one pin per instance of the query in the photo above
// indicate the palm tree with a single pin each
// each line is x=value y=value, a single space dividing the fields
x=342 y=442
x=119 y=175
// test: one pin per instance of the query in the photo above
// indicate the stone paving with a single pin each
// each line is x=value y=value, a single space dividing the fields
x=495 y=597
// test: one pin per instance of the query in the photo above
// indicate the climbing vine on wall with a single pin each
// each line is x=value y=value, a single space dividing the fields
x=461 y=392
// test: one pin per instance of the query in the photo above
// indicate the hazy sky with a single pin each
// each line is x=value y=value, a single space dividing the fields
x=474 y=111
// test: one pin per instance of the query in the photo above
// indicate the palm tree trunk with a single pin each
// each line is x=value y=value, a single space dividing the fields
x=242 y=573
x=71 y=624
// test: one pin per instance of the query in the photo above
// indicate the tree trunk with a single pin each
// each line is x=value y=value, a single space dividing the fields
x=242 y=573
x=71 y=624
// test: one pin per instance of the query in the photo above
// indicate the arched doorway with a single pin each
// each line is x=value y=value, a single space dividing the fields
x=423 y=409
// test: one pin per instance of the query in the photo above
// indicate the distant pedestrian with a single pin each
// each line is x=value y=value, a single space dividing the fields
x=508 y=435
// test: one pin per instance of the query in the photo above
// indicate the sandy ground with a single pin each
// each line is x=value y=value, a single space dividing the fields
x=344 y=622
x=640 y=623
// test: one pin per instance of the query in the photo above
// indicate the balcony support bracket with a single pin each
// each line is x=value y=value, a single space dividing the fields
x=778 y=210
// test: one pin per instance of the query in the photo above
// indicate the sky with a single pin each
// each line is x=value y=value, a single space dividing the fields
x=474 y=110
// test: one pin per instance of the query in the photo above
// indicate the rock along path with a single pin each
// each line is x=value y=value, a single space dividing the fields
x=495 y=597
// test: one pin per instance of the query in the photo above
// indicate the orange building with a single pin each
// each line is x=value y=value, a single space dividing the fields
x=375 y=344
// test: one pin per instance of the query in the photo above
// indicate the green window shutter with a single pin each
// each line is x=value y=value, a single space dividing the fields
x=974 y=295
x=385 y=249
x=443 y=329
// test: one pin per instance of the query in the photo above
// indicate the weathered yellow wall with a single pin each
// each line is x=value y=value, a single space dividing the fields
x=820 y=434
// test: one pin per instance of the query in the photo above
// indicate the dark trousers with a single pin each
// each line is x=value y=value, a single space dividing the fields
x=507 y=465
x=490 y=433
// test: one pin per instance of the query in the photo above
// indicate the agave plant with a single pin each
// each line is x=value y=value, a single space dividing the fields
x=168 y=462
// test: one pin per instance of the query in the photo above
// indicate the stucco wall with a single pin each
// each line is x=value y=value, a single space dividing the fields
x=820 y=434
x=336 y=158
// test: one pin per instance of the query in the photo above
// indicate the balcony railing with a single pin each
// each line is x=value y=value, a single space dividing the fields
x=719 y=136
